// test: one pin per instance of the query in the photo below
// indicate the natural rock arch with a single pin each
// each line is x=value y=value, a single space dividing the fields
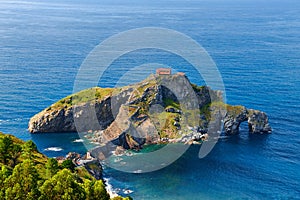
x=257 y=121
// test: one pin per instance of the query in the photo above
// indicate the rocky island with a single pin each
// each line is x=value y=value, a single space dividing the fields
x=161 y=108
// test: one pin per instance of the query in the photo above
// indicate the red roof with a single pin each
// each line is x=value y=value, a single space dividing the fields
x=163 y=71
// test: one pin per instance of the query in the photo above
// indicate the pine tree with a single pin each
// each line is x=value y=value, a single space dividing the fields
x=68 y=164
x=99 y=191
x=28 y=148
x=15 y=154
x=62 y=186
x=88 y=188
x=6 y=145
x=4 y=174
x=51 y=167
x=95 y=190
x=23 y=183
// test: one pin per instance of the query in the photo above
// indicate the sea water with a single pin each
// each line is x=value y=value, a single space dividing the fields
x=255 y=44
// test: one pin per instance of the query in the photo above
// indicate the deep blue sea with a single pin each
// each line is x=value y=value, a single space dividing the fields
x=255 y=44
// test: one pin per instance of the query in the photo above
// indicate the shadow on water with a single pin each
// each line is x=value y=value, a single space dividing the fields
x=246 y=138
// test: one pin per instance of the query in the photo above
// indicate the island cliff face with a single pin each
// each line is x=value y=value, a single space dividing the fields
x=157 y=109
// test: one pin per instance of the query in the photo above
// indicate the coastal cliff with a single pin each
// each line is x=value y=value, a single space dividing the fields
x=160 y=108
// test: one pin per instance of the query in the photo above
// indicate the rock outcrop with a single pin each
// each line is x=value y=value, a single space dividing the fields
x=63 y=119
x=257 y=121
x=158 y=109
x=90 y=113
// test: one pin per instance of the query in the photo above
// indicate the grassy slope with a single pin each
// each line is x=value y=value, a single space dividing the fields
x=168 y=129
x=84 y=96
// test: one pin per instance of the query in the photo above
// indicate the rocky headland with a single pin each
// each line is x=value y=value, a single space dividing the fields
x=161 y=108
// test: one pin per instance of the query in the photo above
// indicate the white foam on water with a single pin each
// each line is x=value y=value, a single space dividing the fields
x=53 y=149
x=78 y=140
x=138 y=171
x=109 y=188
x=127 y=191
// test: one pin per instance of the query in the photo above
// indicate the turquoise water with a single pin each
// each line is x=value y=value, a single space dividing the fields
x=255 y=44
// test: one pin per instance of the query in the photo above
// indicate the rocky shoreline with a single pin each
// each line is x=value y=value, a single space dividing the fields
x=159 y=109
x=93 y=167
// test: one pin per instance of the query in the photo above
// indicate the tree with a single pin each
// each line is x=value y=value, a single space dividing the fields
x=51 y=167
x=62 y=186
x=4 y=174
x=6 y=145
x=68 y=164
x=88 y=188
x=9 y=151
x=99 y=191
x=28 y=148
x=23 y=183
x=30 y=145
x=95 y=190
x=15 y=154
x=22 y=170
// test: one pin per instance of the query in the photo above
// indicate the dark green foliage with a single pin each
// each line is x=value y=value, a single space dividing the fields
x=22 y=184
x=51 y=167
x=4 y=174
x=15 y=154
x=95 y=190
x=68 y=164
x=30 y=146
x=28 y=149
x=99 y=191
x=26 y=174
x=9 y=151
x=171 y=103
x=6 y=146
x=62 y=186
x=198 y=88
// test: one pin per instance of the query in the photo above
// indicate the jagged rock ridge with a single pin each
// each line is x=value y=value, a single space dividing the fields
x=157 y=109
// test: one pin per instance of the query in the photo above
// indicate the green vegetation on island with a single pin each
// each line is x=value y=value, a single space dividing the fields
x=26 y=174
x=84 y=96
x=159 y=109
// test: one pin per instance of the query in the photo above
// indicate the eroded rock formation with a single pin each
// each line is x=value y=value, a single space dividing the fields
x=157 y=109
x=257 y=121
